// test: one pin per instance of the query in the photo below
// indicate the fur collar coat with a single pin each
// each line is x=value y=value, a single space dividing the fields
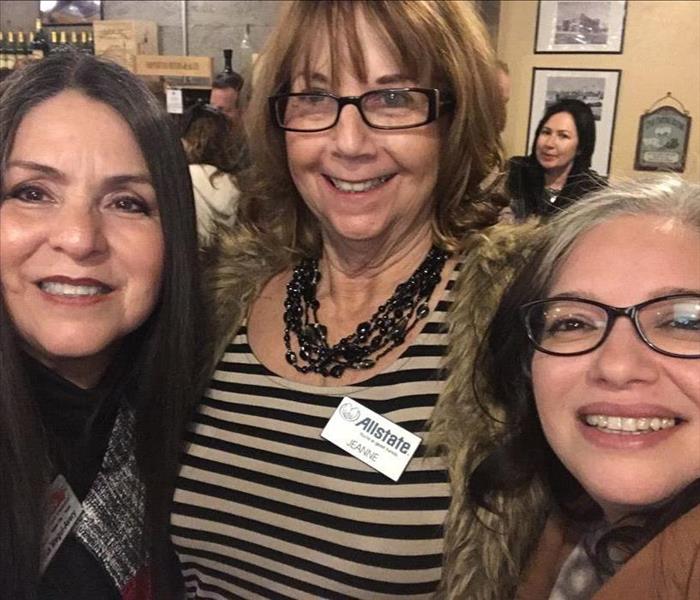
x=484 y=555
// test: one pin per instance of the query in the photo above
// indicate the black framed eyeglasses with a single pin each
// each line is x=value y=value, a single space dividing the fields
x=569 y=326
x=392 y=108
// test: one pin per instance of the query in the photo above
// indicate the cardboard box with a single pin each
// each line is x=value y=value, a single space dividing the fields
x=121 y=41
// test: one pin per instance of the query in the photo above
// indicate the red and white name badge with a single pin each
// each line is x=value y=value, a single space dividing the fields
x=62 y=511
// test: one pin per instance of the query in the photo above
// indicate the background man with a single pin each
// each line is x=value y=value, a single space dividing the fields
x=224 y=94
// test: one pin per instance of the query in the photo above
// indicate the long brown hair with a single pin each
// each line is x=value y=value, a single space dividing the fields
x=444 y=43
x=212 y=139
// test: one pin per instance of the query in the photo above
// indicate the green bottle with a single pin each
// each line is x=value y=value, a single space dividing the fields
x=54 y=41
x=10 y=51
x=3 y=62
x=22 y=49
x=40 y=45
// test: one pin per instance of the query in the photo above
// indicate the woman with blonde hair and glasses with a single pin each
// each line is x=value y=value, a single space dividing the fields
x=591 y=367
x=306 y=473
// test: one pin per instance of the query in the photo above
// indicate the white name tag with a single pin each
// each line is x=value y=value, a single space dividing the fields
x=173 y=101
x=373 y=439
x=62 y=511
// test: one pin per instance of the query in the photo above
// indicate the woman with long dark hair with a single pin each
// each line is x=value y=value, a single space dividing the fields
x=98 y=322
x=558 y=171
x=599 y=406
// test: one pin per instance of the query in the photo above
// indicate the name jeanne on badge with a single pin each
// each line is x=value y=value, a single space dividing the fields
x=371 y=438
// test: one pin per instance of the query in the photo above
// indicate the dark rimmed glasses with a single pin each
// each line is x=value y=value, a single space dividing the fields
x=392 y=108
x=569 y=326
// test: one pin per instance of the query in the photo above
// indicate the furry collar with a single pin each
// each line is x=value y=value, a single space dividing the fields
x=484 y=553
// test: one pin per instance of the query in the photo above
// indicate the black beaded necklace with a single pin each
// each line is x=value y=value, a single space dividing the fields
x=386 y=329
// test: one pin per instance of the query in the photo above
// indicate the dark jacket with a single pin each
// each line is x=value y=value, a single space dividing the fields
x=525 y=186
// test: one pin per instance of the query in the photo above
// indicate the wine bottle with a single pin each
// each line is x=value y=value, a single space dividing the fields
x=3 y=62
x=22 y=50
x=40 y=45
x=246 y=52
x=62 y=42
x=84 y=46
x=10 y=51
x=228 y=59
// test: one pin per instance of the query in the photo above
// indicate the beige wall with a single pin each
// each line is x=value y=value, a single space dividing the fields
x=661 y=53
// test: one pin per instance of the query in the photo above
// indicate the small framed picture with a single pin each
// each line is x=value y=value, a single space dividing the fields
x=70 y=12
x=662 y=140
x=596 y=87
x=580 y=26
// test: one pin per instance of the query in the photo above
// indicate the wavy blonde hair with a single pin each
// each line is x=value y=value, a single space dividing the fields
x=444 y=43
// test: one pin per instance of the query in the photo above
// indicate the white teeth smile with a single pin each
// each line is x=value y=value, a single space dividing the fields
x=65 y=289
x=629 y=425
x=358 y=186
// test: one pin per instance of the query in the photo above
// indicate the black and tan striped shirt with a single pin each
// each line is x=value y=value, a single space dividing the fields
x=266 y=508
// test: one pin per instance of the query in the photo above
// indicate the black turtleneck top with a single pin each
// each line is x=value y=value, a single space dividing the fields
x=77 y=424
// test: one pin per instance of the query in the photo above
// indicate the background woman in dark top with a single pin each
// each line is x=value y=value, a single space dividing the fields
x=97 y=328
x=558 y=170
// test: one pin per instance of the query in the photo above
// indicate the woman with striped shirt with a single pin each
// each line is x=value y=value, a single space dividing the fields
x=306 y=473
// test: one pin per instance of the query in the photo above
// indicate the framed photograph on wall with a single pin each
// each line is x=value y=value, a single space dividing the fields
x=580 y=26
x=662 y=140
x=70 y=12
x=596 y=87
